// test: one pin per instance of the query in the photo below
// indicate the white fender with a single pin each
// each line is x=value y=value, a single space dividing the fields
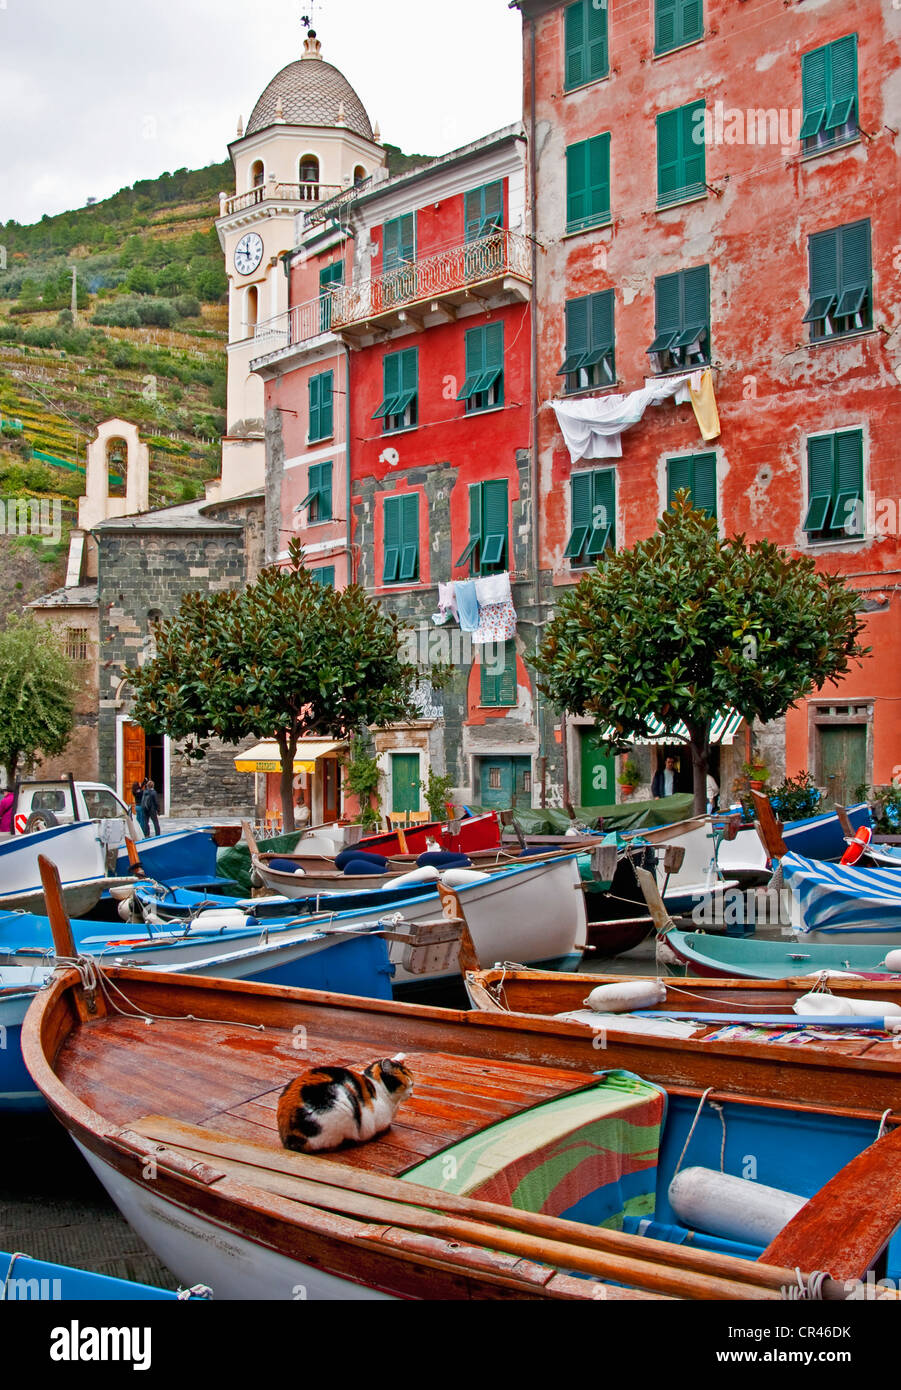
x=425 y=875
x=893 y=961
x=622 y=998
x=216 y=917
x=837 y=1007
x=729 y=1207
x=456 y=878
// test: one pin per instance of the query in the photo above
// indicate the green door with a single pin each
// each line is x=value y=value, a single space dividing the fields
x=843 y=759
x=598 y=771
x=506 y=782
x=404 y=783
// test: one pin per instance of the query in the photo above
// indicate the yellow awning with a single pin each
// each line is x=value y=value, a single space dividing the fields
x=266 y=758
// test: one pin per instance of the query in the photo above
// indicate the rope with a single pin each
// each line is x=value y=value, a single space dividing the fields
x=882 y=1125
x=714 y=1105
x=198 y=1291
x=19 y=1255
x=812 y=1289
x=91 y=978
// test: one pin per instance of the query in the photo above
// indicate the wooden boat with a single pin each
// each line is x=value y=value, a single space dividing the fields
x=177 y=1121
x=744 y=957
x=18 y=986
x=80 y=853
x=182 y=856
x=23 y=1279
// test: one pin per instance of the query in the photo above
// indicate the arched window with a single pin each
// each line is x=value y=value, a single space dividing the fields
x=252 y=313
x=117 y=465
x=359 y=176
x=309 y=178
x=257 y=174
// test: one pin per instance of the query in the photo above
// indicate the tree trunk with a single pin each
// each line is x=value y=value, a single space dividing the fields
x=287 y=746
x=11 y=772
x=700 y=755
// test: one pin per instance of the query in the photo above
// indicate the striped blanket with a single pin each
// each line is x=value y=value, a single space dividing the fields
x=590 y=1156
x=838 y=898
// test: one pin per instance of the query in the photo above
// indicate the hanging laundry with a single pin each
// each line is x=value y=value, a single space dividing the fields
x=493 y=588
x=497 y=623
x=467 y=605
x=447 y=605
x=592 y=426
x=703 y=400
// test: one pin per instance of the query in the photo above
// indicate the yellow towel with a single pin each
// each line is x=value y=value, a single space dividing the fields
x=704 y=404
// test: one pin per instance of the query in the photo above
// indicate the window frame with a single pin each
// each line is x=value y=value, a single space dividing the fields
x=474 y=228
x=483 y=385
x=593 y=538
x=681 y=120
x=399 y=409
x=582 y=48
x=705 y=456
x=505 y=695
x=317 y=411
x=582 y=368
x=583 y=151
x=318 y=490
x=398 y=260
x=680 y=40
x=826 y=299
x=479 y=535
x=674 y=336
x=395 y=557
x=840 y=494
x=825 y=133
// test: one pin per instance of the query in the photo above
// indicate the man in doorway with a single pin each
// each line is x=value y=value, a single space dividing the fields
x=150 y=805
x=664 y=783
x=137 y=796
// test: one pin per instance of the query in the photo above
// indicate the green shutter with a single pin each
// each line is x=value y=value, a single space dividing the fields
x=665 y=25
x=494 y=526
x=703 y=488
x=588 y=183
x=390 y=385
x=580 y=495
x=498 y=688
x=692 y=20
x=847 y=510
x=484 y=210
x=677 y=22
x=325 y=575
x=824 y=282
x=576 y=185
x=814 y=87
x=679 y=475
x=603 y=513
x=575 y=36
x=695 y=297
x=843 y=94
x=314 y=390
x=669 y=162
x=393 y=535
x=599 y=176
x=507 y=692
x=475 y=362
x=328 y=276
x=585 y=41
x=409 y=537
x=321 y=406
x=475 y=528
x=820 y=481
x=694 y=150
x=855 y=268
x=577 y=328
x=667 y=311
x=596 y=39
x=398 y=242
x=681 y=155
x=324 y=508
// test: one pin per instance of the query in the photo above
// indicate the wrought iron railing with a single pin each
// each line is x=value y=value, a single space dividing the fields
x=298 y=325
x=460 y=267
x=281 y=193
x=332 y=206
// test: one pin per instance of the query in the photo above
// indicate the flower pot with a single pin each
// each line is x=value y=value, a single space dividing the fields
x=756 y=786
x=626 y=788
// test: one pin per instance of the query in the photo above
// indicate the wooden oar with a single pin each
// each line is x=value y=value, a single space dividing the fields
x=89 y=1003
x=134 y=861
x=336 y=1175
x=251 y=839
x=848 y=1223
x=769 y=829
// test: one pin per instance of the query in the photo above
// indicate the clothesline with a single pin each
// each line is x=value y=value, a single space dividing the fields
x=592 y=426
x=482 y=607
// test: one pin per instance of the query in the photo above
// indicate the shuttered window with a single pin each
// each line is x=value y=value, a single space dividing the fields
x=835 y=486
x=593 y=500
x=399 y=242
x=681 y=154
x=484 y=210
x=589 y=357
x=681 y=320
x=588 y=183
x=399 y=409
x=329 y=276
x=325 y=575
x=483 y=387
x=841 y=277
x=697 y=473
x=321 y=393
x=319 y=493
x=677 y=22
x=488 y=546
x=829 y=86
x=585 y=39
x=401 y=540
x=498 y=670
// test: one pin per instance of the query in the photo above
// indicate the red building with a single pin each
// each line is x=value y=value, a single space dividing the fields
x=413 y=292
x=716 y=183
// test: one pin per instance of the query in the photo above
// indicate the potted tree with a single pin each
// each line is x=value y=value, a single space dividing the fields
x=629 y=777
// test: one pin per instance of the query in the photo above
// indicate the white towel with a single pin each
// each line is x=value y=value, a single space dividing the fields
x=493 y=588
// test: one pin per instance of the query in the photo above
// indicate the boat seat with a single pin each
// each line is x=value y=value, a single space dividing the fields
x=590 y=1156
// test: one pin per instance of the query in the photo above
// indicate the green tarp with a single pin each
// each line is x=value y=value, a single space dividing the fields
x=234 y=863
x=631 y=815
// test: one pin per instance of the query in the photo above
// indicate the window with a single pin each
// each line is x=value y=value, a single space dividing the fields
x=841 y=299
x=484 y=385
x=593 y=498
x=401 y=540
x=681 y=154
x=309 y=173
x=585 y=38
x=77 y=643
x=681 y=320
x=487 y=547
x=835 y=486
x=588 y=183
x=329 y=276
x=325 y=575
x=257 y=174
x=697 y=473
x=677 y=22
x=399 y=242
x=829 y=84
x=484 y=210
x=399 y=409
x=319 y=496
x=498 y=668
x=321 y=391
x=589 y=357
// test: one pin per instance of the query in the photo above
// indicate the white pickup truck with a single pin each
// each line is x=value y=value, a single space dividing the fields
x=40 y=804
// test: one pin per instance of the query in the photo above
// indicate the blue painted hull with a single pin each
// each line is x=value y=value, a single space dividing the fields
x=186 y=854
x=18 y=1093
x=821 y=837
x=38 y=1281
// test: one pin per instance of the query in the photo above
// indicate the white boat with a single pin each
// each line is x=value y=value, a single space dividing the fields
x=78 y=850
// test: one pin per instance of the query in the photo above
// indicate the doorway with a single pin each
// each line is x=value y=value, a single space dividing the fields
x=843 y=761
x=143 y=756
x=404 y=783
x=598 y=770
x=505 y=783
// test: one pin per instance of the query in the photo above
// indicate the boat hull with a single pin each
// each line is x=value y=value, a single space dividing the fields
x=77 y=851
x=723 y=957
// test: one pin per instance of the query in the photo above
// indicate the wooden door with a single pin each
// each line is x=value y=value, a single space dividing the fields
x=843 y=761
x=598 y=771
x=331 y=790
x=134 y=758
x=404 y=783
x=506 y=783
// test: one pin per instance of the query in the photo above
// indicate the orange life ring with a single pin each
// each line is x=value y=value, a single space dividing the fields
x=857 y=846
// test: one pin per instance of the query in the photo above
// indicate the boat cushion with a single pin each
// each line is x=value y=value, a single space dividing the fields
x=353 y=853
x=282 y=866
x=590 y=1156
x=362 y=866
x=443 y=859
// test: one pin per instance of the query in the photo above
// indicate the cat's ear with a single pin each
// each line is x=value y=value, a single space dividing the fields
x=399 y=1057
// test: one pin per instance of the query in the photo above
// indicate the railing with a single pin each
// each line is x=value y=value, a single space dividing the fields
x=298 y=325
x=473 y=263
x=334 y=205
x=312 y=192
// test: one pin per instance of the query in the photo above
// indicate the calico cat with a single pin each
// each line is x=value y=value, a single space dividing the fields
x=324 y=1107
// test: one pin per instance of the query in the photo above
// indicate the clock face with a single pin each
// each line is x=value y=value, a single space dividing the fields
x=248 y=253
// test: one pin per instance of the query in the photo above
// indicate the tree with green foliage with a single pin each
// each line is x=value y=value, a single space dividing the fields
x=37 y=694
x=684 y=624
x=286 y=658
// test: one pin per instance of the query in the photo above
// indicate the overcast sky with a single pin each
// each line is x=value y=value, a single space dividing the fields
x=95 y=94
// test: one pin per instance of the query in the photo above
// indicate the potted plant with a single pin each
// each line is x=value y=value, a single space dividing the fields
x=629 y=777
x=757 y=773
x=796 y=798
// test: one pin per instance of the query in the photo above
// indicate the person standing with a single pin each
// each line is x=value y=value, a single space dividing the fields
x=664 y=783
x=150 y=805
x=713 y=795
x=137 y=796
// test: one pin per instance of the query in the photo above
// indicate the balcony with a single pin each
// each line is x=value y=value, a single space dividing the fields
x=501 y=262
x=299 y=325
x=300 y=193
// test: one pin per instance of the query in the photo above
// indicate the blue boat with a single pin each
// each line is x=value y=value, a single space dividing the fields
x=23 y=1279
x=835 y=901
x=822 y=837
x=187 y=856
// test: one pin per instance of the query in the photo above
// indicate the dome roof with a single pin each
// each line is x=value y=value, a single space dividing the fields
x=310 y=92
